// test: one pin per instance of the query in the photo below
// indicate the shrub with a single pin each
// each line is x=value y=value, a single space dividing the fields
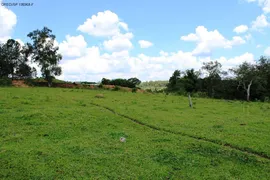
x=5 y=82
x=134 y=90
x=116 y=88
x=149 y=90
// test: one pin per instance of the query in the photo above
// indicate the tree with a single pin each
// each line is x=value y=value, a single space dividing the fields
x=134 y=81
x=246 y=75
x=9 y=57
x=214 y=72
x=105 y=81
x=190 y=80
x=263 y=76
x=44 y=53
x=173 y=84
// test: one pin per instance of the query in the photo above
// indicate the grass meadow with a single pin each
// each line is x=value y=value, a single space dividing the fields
x=54 y=133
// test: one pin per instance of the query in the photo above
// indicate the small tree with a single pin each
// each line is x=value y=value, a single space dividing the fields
x=9 y=57
x=45 y=54
x=134 y=81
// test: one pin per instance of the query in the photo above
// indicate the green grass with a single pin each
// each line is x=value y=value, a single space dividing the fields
x=53 y=133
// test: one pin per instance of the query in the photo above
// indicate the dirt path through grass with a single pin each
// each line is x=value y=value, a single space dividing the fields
x=243 y=150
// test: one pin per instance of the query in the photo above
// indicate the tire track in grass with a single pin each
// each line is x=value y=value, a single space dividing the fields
x=248 y=151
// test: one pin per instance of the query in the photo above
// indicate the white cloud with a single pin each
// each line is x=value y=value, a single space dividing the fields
x=237 y=40
x=73 y=46
x=104 y=23
x=8 y=20
x=259 y=46
x=93 y=66
x=260 y=23
x=207 y=41
x=267 y=51
x=190 y=37
x=248 y=37
x=145 y=44
x=241 y=29
x=264 y=4
x=119 y=42
x=233 y=62
x=123 y=25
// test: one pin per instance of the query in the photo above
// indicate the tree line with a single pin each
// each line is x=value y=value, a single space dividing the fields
x=15 y=59
x=131 y=82
x=246 y=81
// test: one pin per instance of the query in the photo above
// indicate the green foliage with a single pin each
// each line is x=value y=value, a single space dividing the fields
x=44 y=53
x=5 y=82
x=13 y=61
x=116 y=88
x=131 y=83
x=152 y=85
x=134 y=90
x=250 y=81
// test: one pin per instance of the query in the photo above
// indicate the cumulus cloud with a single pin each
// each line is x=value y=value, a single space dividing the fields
x=241 y=29
x=145 y=44
x=207 y=41
x=73 y=46
x=104 y=23
x=260 y=23
x=119 y=42
x=93 y=65
x=8 y=20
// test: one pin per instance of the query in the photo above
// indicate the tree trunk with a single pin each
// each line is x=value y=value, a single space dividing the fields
x=248 y=90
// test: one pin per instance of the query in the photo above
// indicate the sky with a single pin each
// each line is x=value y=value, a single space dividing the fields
x=144 y=38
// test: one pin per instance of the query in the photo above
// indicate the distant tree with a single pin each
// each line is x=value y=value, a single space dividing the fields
x=134 y=81
x=174 y=84
x=190 y=80
x=44 y=53
x=105 y=81
x=246 y=74
x=214 y=71
x=263 y=76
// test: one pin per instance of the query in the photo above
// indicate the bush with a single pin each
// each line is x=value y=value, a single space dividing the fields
x=36 y=82
x=200 y=94
x=134 y=90
x=100 y=86
x=5 y=82
x=149 y=90
x=116 y=88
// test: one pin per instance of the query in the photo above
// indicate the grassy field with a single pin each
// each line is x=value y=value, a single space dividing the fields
x=53 y=133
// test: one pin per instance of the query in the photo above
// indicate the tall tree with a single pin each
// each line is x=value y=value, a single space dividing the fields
x=174 y=84
x=45 y=53
x=214 y=72
x=190 y=80
x=246 y=74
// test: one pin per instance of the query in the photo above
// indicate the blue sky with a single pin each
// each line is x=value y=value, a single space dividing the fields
x=147 y=39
